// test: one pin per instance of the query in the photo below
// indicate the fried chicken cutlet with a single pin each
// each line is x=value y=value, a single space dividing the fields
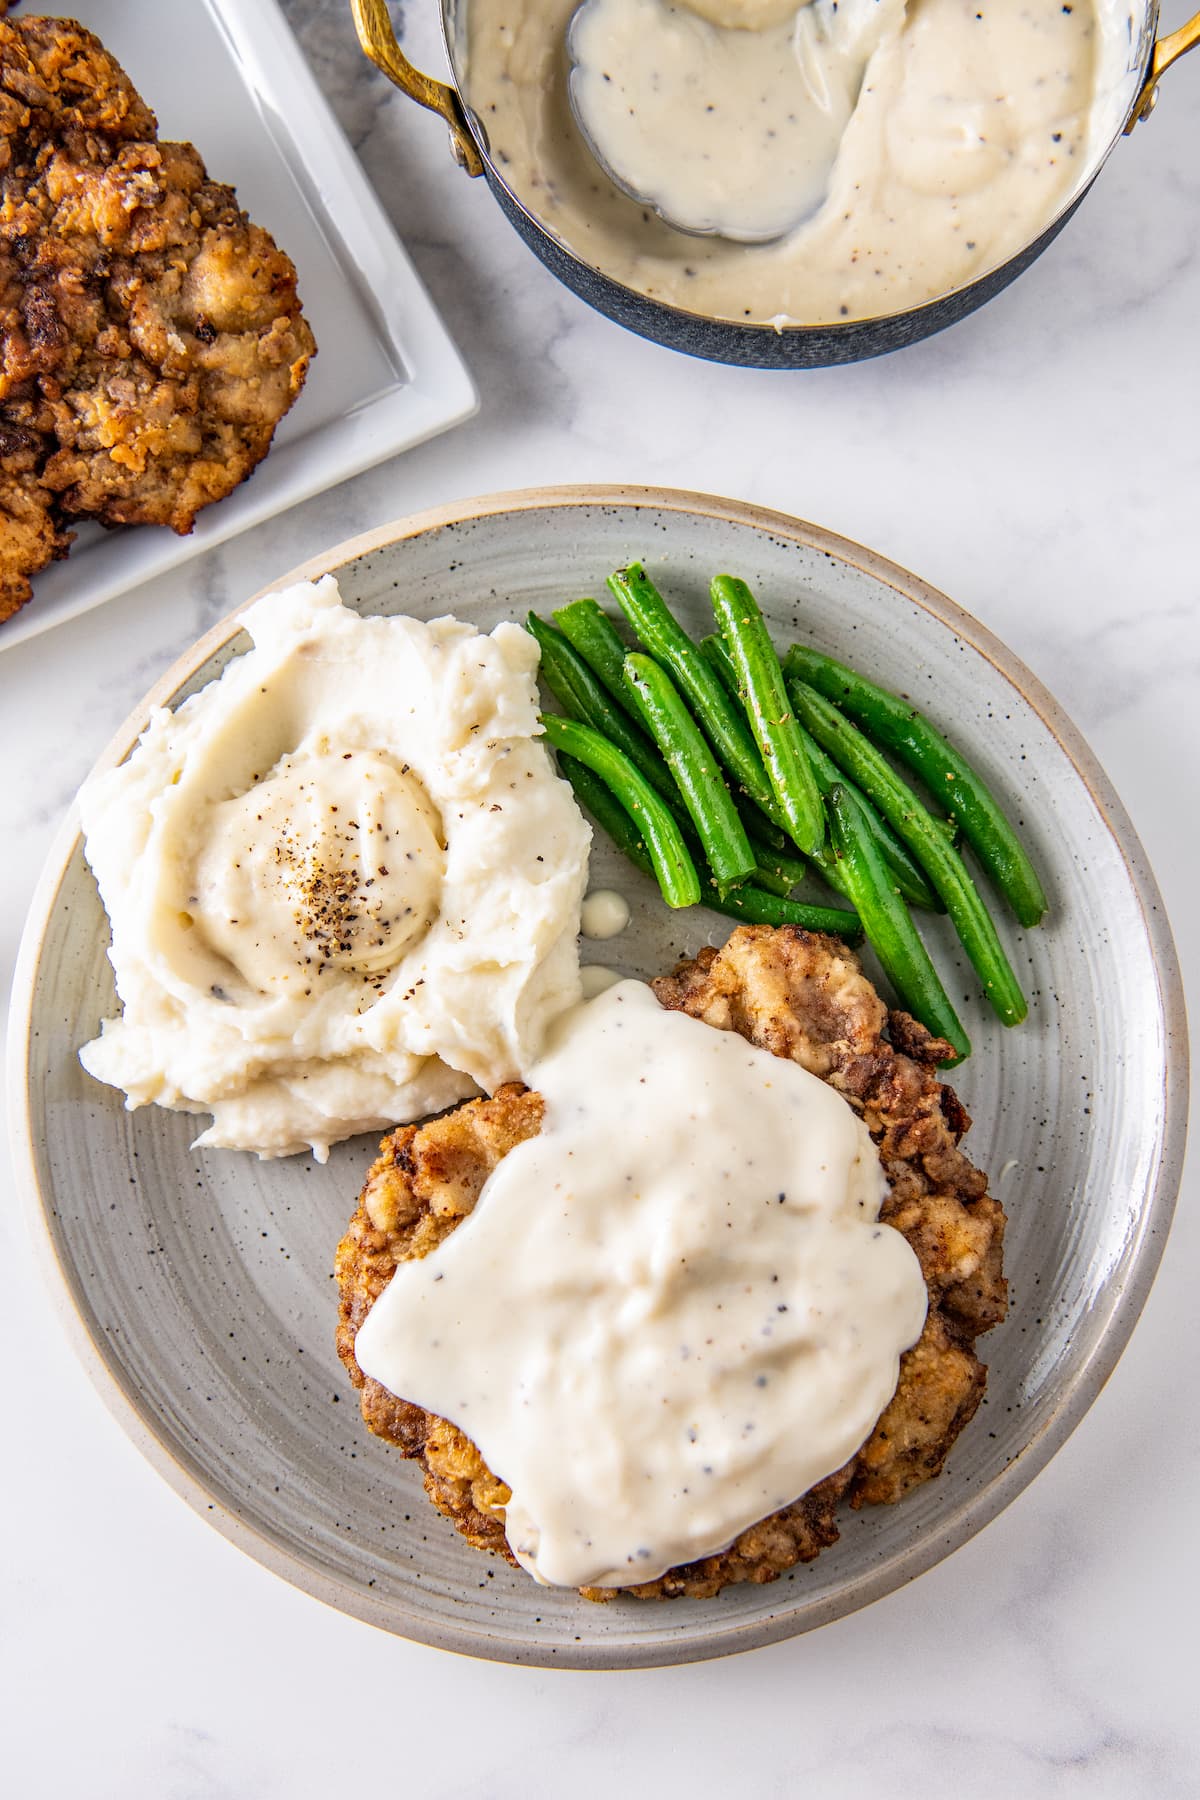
x=151 y=336
x=799 y=995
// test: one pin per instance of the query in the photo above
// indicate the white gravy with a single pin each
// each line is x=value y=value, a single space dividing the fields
x=605 y=914
x=969 y=132
x=745 y=15
x=722 y=123
x=660 y=1334
x=595 y=979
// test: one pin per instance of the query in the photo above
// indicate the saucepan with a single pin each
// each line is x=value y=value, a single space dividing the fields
x=1129 y=94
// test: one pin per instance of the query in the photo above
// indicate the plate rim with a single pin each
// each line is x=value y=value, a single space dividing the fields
x=975 y=1510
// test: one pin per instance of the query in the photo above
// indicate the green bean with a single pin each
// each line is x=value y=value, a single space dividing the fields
x=905 y=873
x=694 y=767
x=582 y=698
x=787 y=871
x=564 y=673
x=774 y=869
x=607 y=811
x=759 y=828
x=894 y=723
x=754 y=907
x=571 y=680
x=771 y=882
x=721 y=720
x=829 y=869
x=940 y=861
x=888 y=923
x=768 y=709
x=593 y=636
x=673 y=866
x=822 y=860
x=596 y=641
x=748 y=904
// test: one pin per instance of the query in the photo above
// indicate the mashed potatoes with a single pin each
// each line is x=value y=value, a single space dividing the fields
x=344 y=881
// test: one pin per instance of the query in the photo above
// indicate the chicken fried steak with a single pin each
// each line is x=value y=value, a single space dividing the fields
x=29 y=537
x=150 y=336
x=799 y=995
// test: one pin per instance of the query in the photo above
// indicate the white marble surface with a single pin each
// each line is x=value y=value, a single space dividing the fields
x=1041 y=464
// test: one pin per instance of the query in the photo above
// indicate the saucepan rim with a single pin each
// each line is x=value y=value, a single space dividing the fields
x=884 y=324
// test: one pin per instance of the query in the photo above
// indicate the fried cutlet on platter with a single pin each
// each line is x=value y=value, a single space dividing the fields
x=151 y=336
x=799 y=995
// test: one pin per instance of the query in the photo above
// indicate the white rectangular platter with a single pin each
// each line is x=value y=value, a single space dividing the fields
x=230 y=76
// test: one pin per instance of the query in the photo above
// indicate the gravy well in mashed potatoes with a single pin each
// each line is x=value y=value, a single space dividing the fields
x=344 y=881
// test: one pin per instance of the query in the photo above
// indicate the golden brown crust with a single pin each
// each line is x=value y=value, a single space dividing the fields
x=803 y=996
x=425 y=1180
x=151 y=332
x=767 y=1550
x=941 y=1384
x=29 y=537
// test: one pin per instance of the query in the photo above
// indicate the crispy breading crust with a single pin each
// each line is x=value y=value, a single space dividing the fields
x=150 y=336
x=802 y=996
x=29 y=537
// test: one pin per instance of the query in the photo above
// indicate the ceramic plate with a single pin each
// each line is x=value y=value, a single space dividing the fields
x=229 y=75
x=198 y=1284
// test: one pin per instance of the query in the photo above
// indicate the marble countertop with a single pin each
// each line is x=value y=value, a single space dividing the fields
x=1041 y=464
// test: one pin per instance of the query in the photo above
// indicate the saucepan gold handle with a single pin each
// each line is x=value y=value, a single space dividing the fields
x=1166 y=51
x=378 y=41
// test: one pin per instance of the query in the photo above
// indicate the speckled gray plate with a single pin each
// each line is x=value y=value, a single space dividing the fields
x=198 y=1285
